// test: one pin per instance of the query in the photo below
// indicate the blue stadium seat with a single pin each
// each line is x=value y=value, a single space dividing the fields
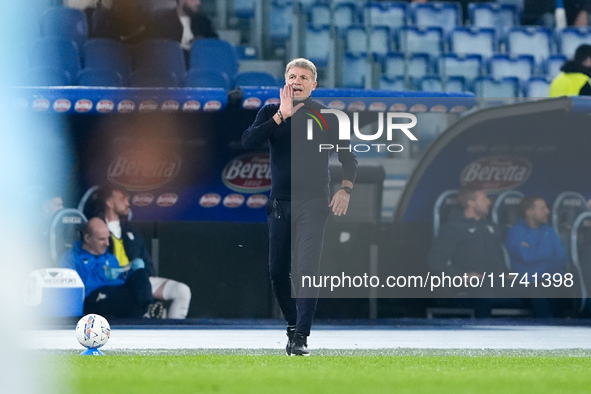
x=516 y=3
x=354 y=70
x=151 y=78
x=380 y=40
x=100 y=77
x=469 y=41
x=280 y=21
x=319 y=15
x=244 y=9
x=376 y=40
x=505 y=210
x=317 y=43
x=394 y=64
x=521 y=67
x=444 y=15
x=344 y=15
x=501 y=17
x=254 y=78
x=565 y=210
x=161 y=56
x=389 y=14
x=431 y=83
x=214 y=54
x=489 y=87
x=57 y=53
x=306 y=5
x=453 y=65
x=537 y=87
x=570 y=38
x=64 y=22
x=446 y=203
x=246 y=52
x=64 y=230
x=421 y=40
x=356 y=39
x=535 y=41
x=456 y=84
x=579 y=251
x=107 y=54
x=418 y=66
x=207 y=79
x=47 y=76
x=553 y=64
x=392 y=83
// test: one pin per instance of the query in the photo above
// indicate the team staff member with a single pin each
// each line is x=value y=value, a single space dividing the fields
x=536 y=248
x=575 y=75
x=299 y=202
x=469 y=244
x=128 y=244
x=109 y=291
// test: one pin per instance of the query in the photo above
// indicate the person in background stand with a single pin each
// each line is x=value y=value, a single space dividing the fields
x=541 y=12
x=184 y=24
x=127 y=243
x=575 y=75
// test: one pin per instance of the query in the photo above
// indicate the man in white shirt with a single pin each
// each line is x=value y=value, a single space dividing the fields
x=127 y=243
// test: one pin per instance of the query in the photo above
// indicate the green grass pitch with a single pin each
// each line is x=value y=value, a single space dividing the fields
x=328 y=371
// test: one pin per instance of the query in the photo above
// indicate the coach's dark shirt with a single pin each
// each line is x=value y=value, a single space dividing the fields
x=309 y=175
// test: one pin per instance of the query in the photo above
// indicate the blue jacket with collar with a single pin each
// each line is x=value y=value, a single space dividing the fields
x=535 y=250
x=91 y=268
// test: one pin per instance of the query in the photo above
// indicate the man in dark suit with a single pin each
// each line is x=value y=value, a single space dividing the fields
x=184 y=23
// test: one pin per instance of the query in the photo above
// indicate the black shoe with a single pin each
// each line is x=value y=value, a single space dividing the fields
x=290 y=334
x=299 y=345
x=154 y=311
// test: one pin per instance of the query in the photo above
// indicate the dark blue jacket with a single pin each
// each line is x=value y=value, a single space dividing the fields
x=467 y=245
x=135 y=246
x=166 y=24
x=309 y=175
x=535 y=250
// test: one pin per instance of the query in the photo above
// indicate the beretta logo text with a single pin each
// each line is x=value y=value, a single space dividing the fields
x=495 y=173
x=139 y=170
x=249 y=173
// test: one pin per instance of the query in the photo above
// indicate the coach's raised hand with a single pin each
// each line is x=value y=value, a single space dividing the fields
x=287 y=96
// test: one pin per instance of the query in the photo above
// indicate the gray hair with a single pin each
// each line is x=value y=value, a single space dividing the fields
x=302 y=63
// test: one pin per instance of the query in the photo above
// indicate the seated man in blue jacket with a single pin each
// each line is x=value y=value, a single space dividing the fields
x=536 y=248
x=109 y=290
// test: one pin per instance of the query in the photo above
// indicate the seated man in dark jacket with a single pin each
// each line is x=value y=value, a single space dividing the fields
x=127 y=243
x=469 y=244
x=183 y=24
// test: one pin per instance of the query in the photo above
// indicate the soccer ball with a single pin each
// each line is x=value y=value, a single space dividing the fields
x=93 y=331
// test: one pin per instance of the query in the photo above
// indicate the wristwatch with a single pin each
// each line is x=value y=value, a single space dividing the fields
x=347 y=189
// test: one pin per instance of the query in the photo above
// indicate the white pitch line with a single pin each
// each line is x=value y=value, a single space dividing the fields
x=473 y=337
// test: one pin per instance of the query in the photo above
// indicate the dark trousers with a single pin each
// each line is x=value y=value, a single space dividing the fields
x=130 y=300
x=296 y=231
